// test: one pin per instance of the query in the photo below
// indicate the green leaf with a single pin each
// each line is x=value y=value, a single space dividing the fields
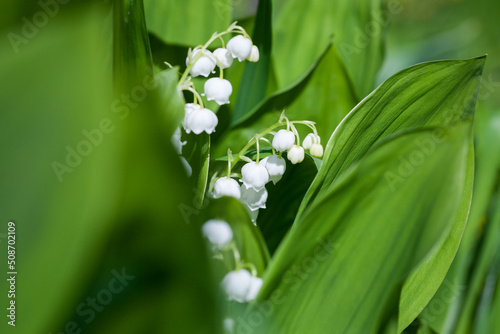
x=197 y=153
x=280 y=99
x=425 y=280
x=93 y=186
x=283 y=201
x=132 y=59
x=169 y=99
x=59 y=184
x=248 y=238
x=328 y=96
x=428 y=94
x=187 y=22
x=487 y=139
x=253 y=84
x=353 y=247
x=357 y=28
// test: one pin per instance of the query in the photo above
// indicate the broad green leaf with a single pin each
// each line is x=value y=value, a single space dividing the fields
x=493 y=319
x=248 y=238
x=428 y=94
x=357 y=27
x=425 y=280
x=280 y=99
x=487 y=144
x=283 y=201
x=132 y=60
x=479 y=291
x=253 y=85
x=328 y=96
x=485 y=314
x=424 y=329
x=92 y=191
x=169 y=98
x=187 y=22
x=58 y=137
x=342 y=270
x=197 y=153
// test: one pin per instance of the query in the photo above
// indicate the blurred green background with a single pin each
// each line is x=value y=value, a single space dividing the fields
x=67 y=76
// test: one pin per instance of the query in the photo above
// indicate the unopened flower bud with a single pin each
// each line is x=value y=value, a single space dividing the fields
x=200 y=120
x=240 y=47
x=254 y=54
x=316 y=150
x=224 y=57
x=283 y=140
x=254 y=199
x=219 y=90
x=308 y=141
x=226 y=187
x=275 y=166
x=218 y=232
x=203 y=65
x=295 y=154
x=254 y=175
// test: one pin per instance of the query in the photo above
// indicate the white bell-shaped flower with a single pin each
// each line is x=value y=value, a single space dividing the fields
x=254 y=54
x=188 y=109
x=176 y=140
x=227 y=187
x=224 y=57
x=283 y=140
x=254 y=175
x=316 y=150
x=254 y=214
x=308 y=141
x=255 y=285
x=219 y=90
x=254 y=199
x=199 y=120
x=218 y=232
x=295 y=154
x=203 y=65
x=237 y=284
x=240 y=47
x=275 y=166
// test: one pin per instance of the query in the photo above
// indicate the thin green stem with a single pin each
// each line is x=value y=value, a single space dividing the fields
x=257 y=141
x=196 y=96
x=229 y=154
x=241 y=153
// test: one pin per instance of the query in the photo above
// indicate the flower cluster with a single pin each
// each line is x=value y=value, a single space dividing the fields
x=202 y=62
x=239 y=285
x=256 y=174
